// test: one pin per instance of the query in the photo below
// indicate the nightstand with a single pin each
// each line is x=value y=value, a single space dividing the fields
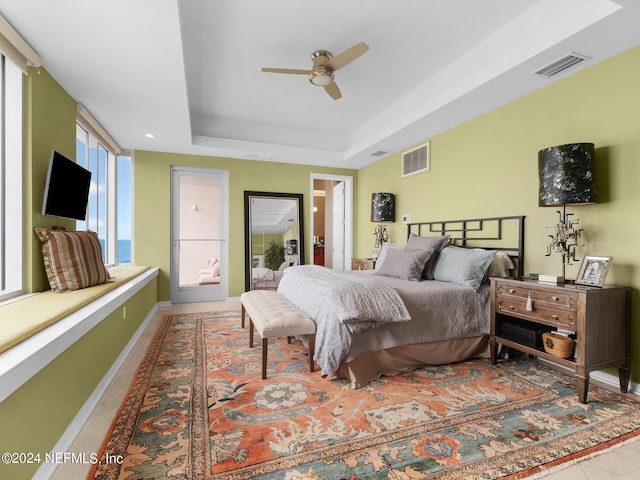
x=363 y=263
x=600 y=318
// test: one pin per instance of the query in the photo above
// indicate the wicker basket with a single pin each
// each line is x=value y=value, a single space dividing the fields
x=558 y=345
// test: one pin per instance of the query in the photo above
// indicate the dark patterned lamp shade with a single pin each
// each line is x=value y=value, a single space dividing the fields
x=383 y=207
x=567 y=175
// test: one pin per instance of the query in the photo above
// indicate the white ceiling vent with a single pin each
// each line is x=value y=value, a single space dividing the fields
x=416 y=160
x=562 y=64
x=378 y=153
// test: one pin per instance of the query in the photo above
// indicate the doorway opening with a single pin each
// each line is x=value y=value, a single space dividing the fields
x=332 y=220
x=199 y=247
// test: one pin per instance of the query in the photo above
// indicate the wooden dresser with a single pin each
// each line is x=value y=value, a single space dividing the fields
x=318 y=255
x=600 y=318
x=363 y=263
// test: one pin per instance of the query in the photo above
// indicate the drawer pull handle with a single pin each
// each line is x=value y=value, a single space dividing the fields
x=555 y=317
x=511 y=290
x=555 y=299
x=529 y=303
x=511 y=307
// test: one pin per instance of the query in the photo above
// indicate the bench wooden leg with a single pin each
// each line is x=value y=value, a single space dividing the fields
x=243 y=314
x=265 y=345
x=250 y=333
x=311 y=340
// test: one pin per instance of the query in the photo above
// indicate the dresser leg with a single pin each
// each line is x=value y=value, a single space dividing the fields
x=494 y=352
x=624 y=372
x=583 y=387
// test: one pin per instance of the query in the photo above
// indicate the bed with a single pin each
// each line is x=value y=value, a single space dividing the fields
x=267 y=279
x=427 y=302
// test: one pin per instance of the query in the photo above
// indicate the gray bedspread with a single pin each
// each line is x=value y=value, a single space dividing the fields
x=342 y=306
x=437 y=311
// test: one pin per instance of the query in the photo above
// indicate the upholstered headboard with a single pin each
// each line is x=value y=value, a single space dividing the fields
x=505 y=234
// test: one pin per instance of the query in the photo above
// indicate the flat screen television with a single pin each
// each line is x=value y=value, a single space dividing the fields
x=66 y=190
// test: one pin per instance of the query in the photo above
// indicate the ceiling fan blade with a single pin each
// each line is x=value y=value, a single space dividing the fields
x=348 y=56
x=333 y=91
x=292 y=71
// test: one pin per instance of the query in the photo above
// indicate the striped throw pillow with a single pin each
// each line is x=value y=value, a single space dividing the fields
x=72 y=260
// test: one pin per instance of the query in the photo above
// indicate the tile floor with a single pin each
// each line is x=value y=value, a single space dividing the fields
x=622 y=463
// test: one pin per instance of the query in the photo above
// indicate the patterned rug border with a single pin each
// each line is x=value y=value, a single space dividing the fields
x=139 y=389
x=119 y=433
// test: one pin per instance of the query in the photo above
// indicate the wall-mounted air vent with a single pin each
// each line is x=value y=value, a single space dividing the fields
x=416 y=160
x=561 y=64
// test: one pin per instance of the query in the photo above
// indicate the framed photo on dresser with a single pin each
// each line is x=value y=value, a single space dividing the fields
x=593 y=271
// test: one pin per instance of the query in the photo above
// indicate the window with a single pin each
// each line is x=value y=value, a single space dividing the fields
x=124 y=209
x=109 y=207
x=10 y=179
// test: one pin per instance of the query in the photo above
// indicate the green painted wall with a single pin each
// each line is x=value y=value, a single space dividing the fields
x=488 y=167
x=152 y=202
x=259 y=242
x=49 y=124
x=35 y=416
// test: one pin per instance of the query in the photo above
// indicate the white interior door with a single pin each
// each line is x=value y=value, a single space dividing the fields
x=338 y=243
x=199 y=225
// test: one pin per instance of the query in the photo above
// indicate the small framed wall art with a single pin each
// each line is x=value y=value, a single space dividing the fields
x=593 y=271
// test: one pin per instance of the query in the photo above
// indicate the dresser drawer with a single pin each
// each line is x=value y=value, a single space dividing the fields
x=540 y=311
x=559 y=299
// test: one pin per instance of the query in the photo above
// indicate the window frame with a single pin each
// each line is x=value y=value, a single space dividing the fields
x=107 y=220
x=11 y=181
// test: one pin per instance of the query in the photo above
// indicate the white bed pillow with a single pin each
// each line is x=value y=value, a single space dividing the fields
x=464 y=266
x=383 y=253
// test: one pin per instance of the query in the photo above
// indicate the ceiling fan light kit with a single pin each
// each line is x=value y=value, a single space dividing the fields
x=321 y=74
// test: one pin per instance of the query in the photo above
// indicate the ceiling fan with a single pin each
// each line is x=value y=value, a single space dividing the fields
x=324 y=64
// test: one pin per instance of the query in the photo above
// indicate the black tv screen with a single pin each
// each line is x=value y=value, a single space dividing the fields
x=66 y=191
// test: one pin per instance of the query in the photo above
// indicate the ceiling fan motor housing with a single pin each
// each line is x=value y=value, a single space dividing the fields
x=321 y=75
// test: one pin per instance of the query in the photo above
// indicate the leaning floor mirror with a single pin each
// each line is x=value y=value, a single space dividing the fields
x=274 y=237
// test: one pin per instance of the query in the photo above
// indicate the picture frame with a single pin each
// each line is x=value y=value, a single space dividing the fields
x=593 y=270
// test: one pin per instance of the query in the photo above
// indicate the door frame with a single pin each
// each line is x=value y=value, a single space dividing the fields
x=348 y=212
x=199 y=293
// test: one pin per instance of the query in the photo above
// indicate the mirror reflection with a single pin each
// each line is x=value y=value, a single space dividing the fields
x=273 y=237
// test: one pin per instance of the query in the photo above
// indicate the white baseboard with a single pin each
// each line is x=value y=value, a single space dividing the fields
x=600 y=376
x=614 y=381
x=46 y=469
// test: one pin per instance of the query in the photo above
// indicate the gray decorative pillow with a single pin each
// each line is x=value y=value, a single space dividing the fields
x=405 y=264
x=417 y=242
x=464 y=266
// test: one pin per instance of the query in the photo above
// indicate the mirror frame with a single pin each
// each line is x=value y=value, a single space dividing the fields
x=248 y=257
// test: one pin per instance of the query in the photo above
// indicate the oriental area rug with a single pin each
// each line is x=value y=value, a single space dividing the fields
x=198 y=409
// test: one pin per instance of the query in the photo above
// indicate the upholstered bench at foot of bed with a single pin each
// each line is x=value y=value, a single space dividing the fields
x=274 y=316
